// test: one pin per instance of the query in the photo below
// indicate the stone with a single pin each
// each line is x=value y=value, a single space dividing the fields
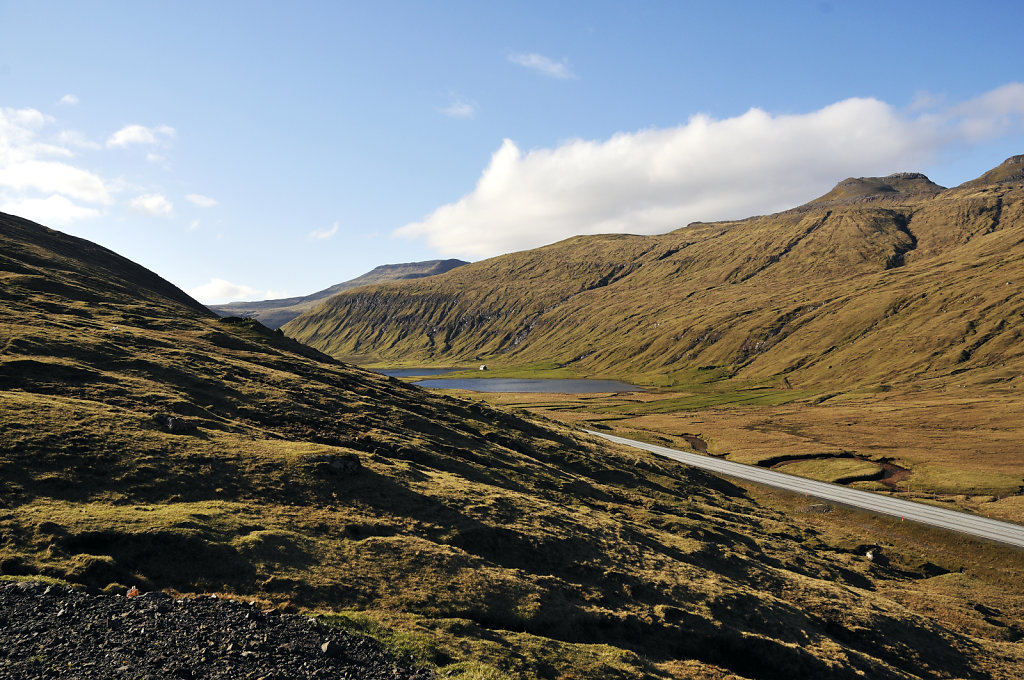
x=332 y=649
x=347 y=463
x=174 y=424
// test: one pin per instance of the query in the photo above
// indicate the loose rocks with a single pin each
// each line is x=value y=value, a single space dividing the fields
x=55 y=632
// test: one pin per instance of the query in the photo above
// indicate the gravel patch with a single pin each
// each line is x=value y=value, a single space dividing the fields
x=51 y=631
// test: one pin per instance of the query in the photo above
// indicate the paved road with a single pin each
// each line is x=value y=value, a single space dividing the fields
x=983 y=527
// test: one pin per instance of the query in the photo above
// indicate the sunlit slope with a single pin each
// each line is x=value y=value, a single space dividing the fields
x=147 y=443
x=881 y=280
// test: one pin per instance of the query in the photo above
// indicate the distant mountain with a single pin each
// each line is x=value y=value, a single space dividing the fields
x=276 y=313
x=881 y=279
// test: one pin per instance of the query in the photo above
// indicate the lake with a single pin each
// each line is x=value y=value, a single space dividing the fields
x=551 y=385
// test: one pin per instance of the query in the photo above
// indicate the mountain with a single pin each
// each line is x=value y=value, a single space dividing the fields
x=898 y=186
x=1009 y=171
x=889 y=280
x=147 y=443
x=276 y=313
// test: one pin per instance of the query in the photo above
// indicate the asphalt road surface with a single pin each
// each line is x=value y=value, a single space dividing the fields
x=983 y=527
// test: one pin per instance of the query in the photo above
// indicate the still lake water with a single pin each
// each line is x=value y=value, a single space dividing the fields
x=549 y=385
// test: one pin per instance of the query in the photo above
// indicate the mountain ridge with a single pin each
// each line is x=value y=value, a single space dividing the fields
x=275 y=313
x=805 y=295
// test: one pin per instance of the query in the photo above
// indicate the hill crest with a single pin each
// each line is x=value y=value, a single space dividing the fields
x=897 y=185
x=1009 y=171
x=276 y=313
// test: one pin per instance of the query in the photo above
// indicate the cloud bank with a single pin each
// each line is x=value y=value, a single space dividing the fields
x=656 y=180
x=37 y=181
x=43 y=179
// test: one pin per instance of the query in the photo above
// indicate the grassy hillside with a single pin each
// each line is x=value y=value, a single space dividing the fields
x=882 y=281
x=147 y=442
x=276 y=313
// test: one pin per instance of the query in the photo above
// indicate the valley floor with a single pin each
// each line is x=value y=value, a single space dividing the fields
x=955 y=448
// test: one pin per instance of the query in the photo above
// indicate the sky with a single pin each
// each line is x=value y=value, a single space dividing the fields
x=254 y=150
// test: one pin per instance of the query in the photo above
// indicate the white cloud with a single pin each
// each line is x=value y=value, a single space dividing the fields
x=538 y=62
x=32 y=183
x=53 y=210
x=656 y=180
x=460 y=108
x=140 y=134
x=77 y=139
x=992 y=114
x=19 y=131
x=324 y=234
x=54 y=177
x=193 y=225
x=154 y=205
x=68 y=100
x=217 y=291
x=201 y=201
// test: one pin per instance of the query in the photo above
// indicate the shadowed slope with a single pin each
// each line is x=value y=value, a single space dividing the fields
x=34 y=257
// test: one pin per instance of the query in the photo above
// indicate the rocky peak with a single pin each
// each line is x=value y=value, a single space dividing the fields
x=1010 y=170
x=906 y=175
x=860 y=189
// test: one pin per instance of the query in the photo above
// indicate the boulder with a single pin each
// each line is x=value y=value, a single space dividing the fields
x=174 y=424
x=343 y=464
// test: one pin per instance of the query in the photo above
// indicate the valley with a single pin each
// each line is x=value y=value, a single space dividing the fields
x=881 y=321
x=149 y=444
x=958 y=448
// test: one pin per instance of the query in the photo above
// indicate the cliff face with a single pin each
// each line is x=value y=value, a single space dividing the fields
x=928 y=275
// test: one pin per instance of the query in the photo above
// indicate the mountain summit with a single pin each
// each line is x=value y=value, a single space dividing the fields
x=1009 y=171
x=895 y=186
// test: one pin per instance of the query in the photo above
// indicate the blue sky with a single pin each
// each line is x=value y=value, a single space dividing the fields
x=246 y=150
